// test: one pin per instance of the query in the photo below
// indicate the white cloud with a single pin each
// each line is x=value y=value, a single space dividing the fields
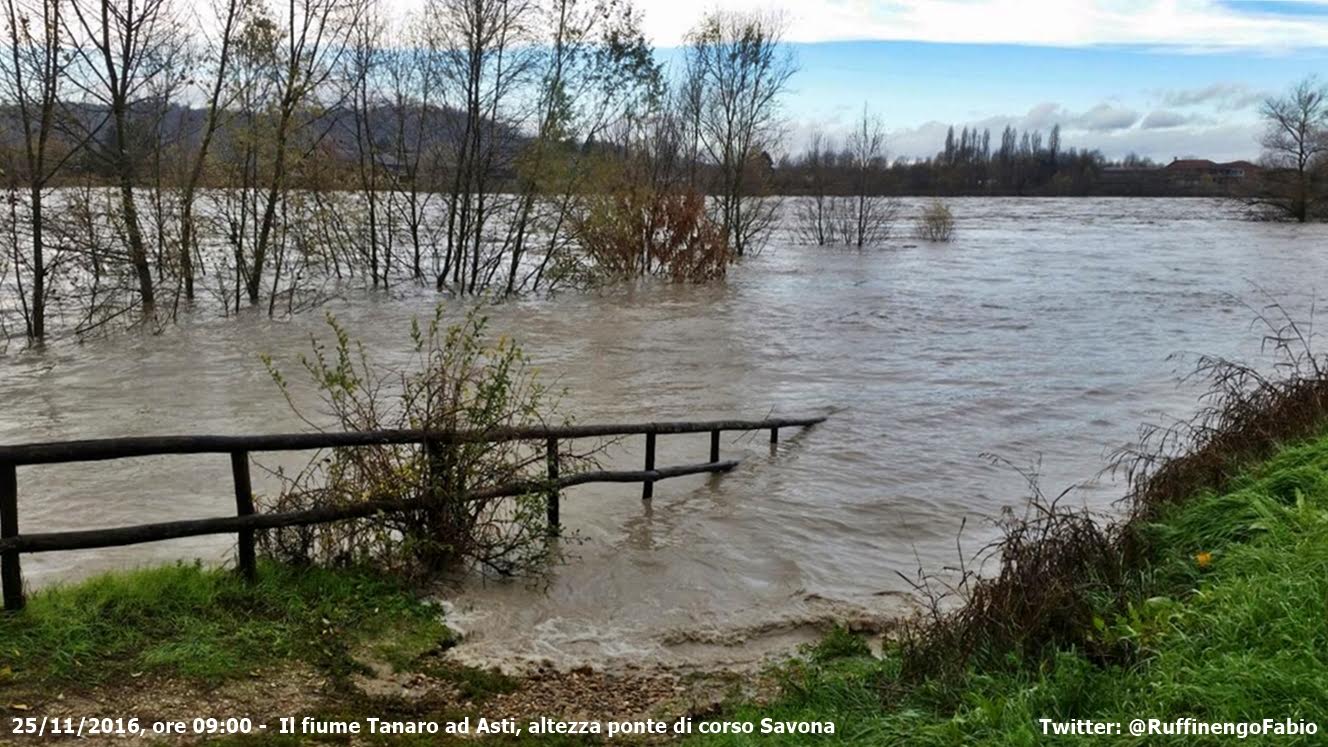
x=1195 y=25
x=1110 y=128
x=1165 y=118
x=1180 y=25
x=1227 y=142
x=1104 y=118
x=1222 y=96
x=1044 y=116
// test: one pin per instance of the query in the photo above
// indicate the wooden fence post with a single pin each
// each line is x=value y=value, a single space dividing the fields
x=436 y=471
x=432 y=471
x=714 y=446
x=11 y=573
x=245 y=554
x=551 y=455
x=648 y=487
x=774 y=436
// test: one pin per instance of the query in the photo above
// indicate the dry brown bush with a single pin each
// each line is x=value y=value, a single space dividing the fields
x=936 y=223
x=638 y=231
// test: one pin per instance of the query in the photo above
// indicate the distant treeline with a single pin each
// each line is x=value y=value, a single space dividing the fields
x=971 y=163
x=975 y=163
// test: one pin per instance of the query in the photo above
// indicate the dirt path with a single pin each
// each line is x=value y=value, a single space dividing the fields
x=440 y=691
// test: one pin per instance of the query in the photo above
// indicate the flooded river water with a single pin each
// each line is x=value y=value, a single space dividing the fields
x=1043 y=330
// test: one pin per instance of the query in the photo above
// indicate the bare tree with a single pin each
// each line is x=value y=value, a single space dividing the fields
x=129 y=45
x=32 y=75
x=844 y=202
x=416 y=101
x=367 y=59
x=161 y=144
x=251 y=87
x=1295 y=142
x=871 y=216
x=598 y=70
x=741 y=70
x=504 y=113
x=815 y=211
x=486 y=59
x=306 y=47
x=228 y=15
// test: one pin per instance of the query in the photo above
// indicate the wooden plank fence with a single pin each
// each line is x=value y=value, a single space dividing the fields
x=246 y=522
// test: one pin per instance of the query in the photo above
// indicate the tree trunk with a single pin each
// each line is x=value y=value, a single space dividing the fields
x=138 y=254
x=187 y=243
x=38 y=268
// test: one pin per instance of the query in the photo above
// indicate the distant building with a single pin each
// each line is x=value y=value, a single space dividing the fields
x=1197 y=170
x=1241 y=169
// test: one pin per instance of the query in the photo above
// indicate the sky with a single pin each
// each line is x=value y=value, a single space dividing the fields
x=1161 y=78
x=1161 y=103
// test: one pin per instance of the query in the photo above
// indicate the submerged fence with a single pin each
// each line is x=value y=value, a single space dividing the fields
x=246 y=522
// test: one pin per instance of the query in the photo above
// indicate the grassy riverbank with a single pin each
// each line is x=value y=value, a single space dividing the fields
x=208 y=625
x=185 y=641
x=1226 y=621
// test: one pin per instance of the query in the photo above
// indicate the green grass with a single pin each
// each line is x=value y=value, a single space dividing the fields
x=210 y=625
x=187 y=622
x=1239 y=634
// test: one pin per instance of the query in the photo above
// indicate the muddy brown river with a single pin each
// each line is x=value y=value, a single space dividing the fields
x=1044 y=330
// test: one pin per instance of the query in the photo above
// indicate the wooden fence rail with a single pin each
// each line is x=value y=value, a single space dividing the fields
x=245 y=523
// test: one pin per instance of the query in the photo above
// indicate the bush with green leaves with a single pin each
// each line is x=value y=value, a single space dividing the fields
x=458 y=380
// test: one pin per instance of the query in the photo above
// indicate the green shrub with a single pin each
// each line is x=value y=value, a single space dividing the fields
x=458 y=381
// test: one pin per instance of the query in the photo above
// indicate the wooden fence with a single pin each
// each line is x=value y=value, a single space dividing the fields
x=246 y=522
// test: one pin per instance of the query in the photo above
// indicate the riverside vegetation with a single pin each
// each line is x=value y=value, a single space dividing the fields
x=457 y=380
x=479 y=147
x=1224 y=623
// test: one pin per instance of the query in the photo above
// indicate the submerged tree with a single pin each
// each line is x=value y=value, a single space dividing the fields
x=870 y=217
x=228 y=15
x=290 y=69
x=475 y=135
x=486 y=57
x=413 y=98
x=816 y=222
x=127 y=50
x=936 y=223
x=739 y=69
x=845 y=202
x=597 y=72
x=1295 y=143
x=34 y=77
